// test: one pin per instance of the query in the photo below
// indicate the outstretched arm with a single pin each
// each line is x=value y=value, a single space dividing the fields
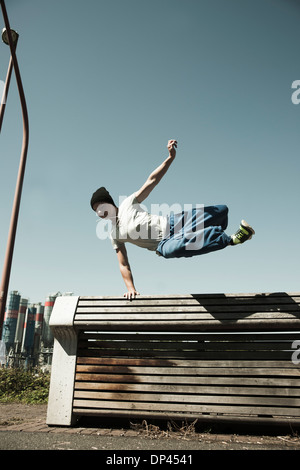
x=126 y=273
x=157 y=174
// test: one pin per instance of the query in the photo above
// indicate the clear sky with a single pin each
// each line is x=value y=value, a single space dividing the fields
x=108 y=83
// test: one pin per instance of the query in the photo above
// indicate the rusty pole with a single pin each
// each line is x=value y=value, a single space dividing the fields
x=20 y=178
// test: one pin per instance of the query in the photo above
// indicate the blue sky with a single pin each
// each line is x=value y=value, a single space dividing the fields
x=108 y=83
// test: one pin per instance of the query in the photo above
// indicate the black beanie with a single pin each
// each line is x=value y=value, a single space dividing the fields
x=102 y=195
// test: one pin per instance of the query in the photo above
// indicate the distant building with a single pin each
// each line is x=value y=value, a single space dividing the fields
x=26 y=335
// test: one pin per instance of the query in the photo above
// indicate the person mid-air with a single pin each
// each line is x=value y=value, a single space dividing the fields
x=188 y=233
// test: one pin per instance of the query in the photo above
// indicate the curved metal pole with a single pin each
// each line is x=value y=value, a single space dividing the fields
x=19 y=184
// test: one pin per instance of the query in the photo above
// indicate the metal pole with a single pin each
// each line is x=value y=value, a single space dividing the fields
x=6 y=88
x=19 y=184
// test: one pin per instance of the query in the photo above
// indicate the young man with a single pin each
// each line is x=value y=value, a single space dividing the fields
x=189 y=233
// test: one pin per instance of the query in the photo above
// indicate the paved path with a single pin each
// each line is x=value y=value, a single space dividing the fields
x=23 y=427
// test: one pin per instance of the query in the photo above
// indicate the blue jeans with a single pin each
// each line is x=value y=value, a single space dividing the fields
x=196 y=232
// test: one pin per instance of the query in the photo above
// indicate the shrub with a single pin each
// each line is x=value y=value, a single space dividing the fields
x=26 y=386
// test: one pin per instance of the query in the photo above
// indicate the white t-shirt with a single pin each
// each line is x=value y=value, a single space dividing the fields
x=135 y=225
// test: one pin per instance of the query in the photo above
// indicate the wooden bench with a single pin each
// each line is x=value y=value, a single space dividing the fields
x=215 y=357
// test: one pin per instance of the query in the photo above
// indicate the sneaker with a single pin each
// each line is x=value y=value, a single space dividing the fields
x=244 y=233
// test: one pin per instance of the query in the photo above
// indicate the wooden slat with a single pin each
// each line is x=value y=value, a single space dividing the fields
x=225 y=370
x=187 y=389
x=129 y=362
x=283 y=384
x=189 y=398
x=171 y=348
x=192 y=325
x=214 y=298
x=174 y=407
x=198 y=336
x=184 y=345
x=205 y=355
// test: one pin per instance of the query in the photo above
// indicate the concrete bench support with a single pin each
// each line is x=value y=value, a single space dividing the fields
x=63 y=362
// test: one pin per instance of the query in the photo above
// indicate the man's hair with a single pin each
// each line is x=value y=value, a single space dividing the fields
x=102 y=195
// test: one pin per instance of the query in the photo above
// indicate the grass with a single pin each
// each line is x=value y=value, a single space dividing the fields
x=184 y=430
x=23 y=386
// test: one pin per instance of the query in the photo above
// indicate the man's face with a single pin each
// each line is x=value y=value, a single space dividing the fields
x=105 y=210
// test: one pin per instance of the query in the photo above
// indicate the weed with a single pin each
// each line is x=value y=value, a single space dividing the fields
x=184 y=430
